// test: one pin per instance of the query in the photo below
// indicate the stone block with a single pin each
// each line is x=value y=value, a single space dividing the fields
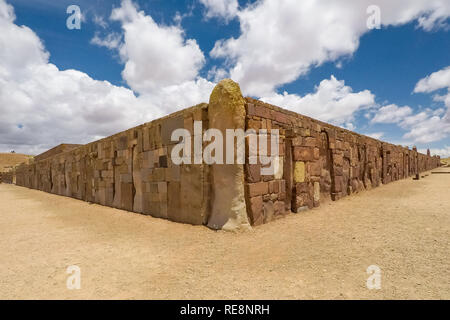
x=315 y=168
x=168 y=126
x=257 y=189
x=253 y=173
x=127 y=196
x=256 y=211
x=268 y=211
x=316 y=191
x=279 y=208
x=310 y=142
x=278 y=163
x=299 y=172
x=274 y=186
x=303 y=154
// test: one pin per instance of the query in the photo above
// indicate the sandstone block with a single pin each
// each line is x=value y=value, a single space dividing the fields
x=257 y=189
x=253 y=172
x=303 y=154
x=256 y=211
x=299 y=172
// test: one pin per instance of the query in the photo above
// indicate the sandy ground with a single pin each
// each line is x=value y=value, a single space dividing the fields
x=403 y=227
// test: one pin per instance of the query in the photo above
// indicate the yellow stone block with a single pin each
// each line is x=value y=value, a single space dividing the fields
x=299 y=172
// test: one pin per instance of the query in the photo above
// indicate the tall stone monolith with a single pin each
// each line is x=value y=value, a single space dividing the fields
x=228 y=209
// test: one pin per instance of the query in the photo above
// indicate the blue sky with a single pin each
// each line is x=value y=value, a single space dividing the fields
x=355 y=72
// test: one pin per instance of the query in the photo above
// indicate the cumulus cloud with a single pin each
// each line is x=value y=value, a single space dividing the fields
x=428 y=125
x=431 y=125
x=391 y=114
x=155 y=55
x=282 y=40
x=430 y=129
x=332 y=101
x=226 y=9
x=42 y=106
x=435 y=81
x=111 y=41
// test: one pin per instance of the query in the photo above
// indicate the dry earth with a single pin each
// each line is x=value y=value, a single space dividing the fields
x=11 y=159
x=446 y=161
x=403 y=227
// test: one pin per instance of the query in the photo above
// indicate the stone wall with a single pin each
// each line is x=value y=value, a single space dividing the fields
x=64 y=147
x=133 y=170
x=130 y=170
x=320 y=162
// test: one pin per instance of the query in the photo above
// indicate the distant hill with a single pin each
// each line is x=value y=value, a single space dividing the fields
x=7 y=160
x=446 y=161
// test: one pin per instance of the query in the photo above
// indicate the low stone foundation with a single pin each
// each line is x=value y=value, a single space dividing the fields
x=133 y=170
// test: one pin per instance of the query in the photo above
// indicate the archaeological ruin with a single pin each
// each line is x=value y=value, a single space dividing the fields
x=133 y=170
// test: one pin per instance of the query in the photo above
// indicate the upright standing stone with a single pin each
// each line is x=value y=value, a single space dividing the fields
x=228 y=209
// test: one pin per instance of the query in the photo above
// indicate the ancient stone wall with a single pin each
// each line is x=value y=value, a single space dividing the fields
x=133 y=170
x=320 y=162
x=64 y=147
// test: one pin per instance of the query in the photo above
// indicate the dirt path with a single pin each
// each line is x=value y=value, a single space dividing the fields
x=403 y=227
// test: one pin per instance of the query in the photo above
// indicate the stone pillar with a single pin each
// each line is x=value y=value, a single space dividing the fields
x=228 y=208
x=416 y=156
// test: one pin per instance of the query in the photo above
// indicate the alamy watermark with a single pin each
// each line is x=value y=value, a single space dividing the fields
x=74 y=20
x=374 y=19
x=234 y=147
x=374 y=280
x=74 y=280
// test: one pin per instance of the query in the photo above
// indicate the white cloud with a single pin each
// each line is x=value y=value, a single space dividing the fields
x=282 y=40
x=376 y=135
x=431 y=125
x=226 y=9
x=332 y=101
x=155 y=56
x=435 y=81
x=100 y=21
x=111 y=41
x=443 y=152
x=391 y=114
x=427 y=125
x=42 y=106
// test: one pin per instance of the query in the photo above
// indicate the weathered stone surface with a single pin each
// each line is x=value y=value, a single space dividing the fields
x=303 y=154
x=278 y=163
x=257 y=189
x=228 y=208
x=133 y=170
x=269 y=211
x=253 y=172
x=316 y=191
x=299 y=172
x=256 y=212
x=279 y=208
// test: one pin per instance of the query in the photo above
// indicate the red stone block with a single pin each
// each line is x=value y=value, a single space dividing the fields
x=303 y=154
x=302 y=188
x=338 y=182
x=274 y=186
x=253 y=173
x=256 y=211
x=315 y=168
x=279 y=208
x=281 y=117
x=257 y=189
x=309 y=142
